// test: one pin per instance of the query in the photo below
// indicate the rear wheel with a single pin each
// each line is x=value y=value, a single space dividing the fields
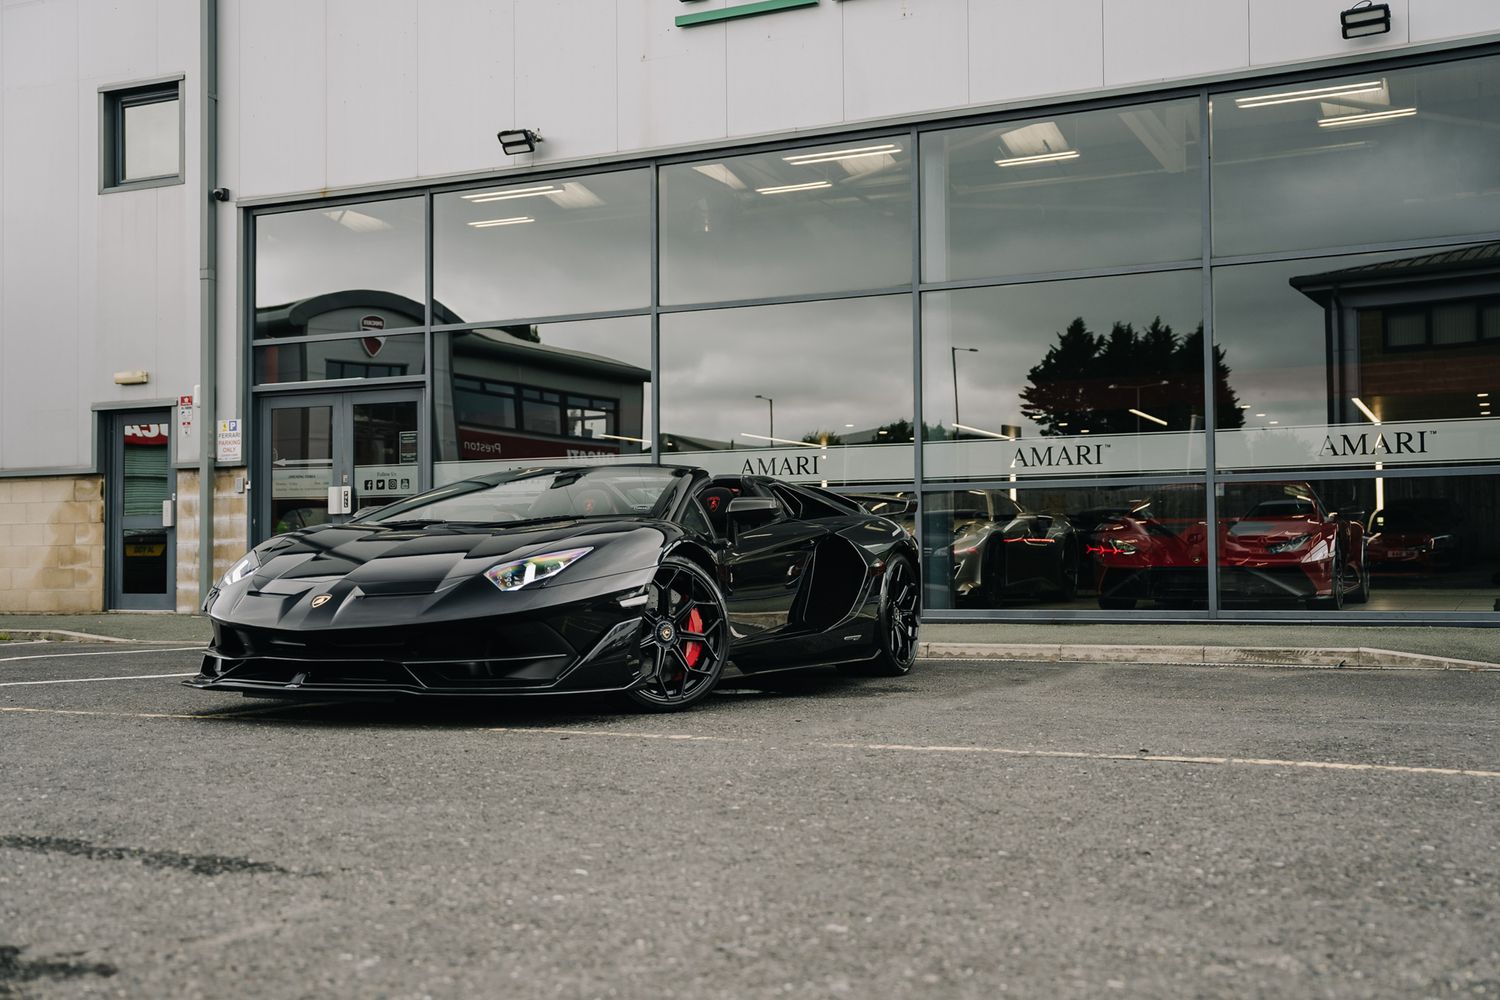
x=1361 y=593
x=896 y=625
x=684 y=638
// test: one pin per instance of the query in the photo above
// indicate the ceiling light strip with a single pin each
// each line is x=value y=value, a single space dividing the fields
x=532 y=192
x=1022 y=161
x=1314 y=94
x=1373 y=116
x=789 y=188
x=833 y=155
x=513 y=221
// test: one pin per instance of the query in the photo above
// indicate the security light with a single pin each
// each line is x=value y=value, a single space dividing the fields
x=519 y=140
x=1366 y=19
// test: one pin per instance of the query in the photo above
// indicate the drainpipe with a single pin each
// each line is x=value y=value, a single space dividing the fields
x=208 y=284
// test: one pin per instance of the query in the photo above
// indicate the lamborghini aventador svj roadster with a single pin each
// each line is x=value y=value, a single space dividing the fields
x=639 y=579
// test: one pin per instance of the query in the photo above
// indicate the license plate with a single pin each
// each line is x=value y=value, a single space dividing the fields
x=145 y=550
x=1402 y=553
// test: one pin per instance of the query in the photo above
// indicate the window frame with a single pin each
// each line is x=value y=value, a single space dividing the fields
x=114 y=100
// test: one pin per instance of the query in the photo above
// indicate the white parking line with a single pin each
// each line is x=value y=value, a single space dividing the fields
x=1260 y=762
x=107 y=652
x=1013 y=752
x=90 y=680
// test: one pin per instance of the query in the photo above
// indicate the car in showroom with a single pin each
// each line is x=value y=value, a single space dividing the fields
x=1277 y=543
x=638 y=579
x=1419 y=537
x=999 y=550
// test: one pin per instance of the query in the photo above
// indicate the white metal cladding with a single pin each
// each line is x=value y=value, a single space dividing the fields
x=320 y=94
x=346 y=91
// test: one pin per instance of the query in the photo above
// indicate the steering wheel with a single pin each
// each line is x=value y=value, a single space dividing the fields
x=591 y=502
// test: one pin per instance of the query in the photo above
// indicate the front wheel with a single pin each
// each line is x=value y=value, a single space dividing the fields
x=684 y=638
x=1335 y=599
x=897 y=622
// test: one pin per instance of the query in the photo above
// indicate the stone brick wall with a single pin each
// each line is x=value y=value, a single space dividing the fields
x=231 y=531
x=52 y=544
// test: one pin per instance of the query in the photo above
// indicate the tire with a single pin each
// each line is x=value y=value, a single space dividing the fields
x=1361 y=594
x=896 y=624
x=1067 y=587
x=684 y=638
x=1335 y=599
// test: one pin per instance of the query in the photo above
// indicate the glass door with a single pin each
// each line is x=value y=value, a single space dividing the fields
x=370 y=443
x=142 y=542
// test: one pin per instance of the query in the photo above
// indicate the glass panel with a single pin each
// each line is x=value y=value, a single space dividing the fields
x=334 y=270
x=386 y=458
x=509 y=395
x=538 y=249
x=1357 y=159
x=364 y=357
x=301 y=466
x=815 y=219
x=152 y=145
x=1104 y=547
x=146 y=482
x=1383 y=544
x=1065 y=378
x=1350 y=362
x=769 y=390
x=1096 y=189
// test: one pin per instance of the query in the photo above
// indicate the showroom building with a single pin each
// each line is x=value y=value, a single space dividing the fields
x=1128 y=309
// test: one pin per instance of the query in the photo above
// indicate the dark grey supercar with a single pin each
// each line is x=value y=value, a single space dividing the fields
x=640 y=579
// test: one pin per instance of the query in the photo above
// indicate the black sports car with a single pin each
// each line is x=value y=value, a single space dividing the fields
x=999 y=549
x=632 y=578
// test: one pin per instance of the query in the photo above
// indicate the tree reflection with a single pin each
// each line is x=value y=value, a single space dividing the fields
x=1091 y=382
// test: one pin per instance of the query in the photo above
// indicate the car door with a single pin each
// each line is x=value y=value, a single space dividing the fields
x=767 y=563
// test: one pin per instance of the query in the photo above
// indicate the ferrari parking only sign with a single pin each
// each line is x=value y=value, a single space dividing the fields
x=228 y=445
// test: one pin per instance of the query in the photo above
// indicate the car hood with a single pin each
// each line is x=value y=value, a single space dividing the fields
x=388 y=561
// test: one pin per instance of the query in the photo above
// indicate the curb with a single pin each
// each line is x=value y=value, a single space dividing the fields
x=65 y=635
x=1321 y=657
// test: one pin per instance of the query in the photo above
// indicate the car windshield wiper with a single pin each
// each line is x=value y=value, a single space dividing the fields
x=420 y=522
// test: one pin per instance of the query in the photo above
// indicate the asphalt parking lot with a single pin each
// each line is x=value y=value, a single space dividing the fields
x=973 y=830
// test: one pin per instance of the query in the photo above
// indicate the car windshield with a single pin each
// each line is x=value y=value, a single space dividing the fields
x=532 y=494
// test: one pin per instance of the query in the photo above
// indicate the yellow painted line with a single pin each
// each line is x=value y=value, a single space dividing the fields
x=1049 y=754
x=90 y=680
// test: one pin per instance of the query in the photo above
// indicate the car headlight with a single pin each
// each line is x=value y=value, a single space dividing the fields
x=1122 y=547
x=249 y=563
x=1290 y=545
x=520 y=573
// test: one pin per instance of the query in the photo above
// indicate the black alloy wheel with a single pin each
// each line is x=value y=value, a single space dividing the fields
x=684 y=638
x=1361 y=594
x=1335 y=599
x=896 y=624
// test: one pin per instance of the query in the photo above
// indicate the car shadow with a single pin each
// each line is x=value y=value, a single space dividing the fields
x=555 y=711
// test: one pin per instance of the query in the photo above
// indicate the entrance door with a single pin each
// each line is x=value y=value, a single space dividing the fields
x=371 y=442
x=141 y=546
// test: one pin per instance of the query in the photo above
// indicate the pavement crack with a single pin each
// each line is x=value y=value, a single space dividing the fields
x=196 y=864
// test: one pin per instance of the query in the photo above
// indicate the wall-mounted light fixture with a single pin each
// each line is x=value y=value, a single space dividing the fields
x=1366 y=18
x=518 y=140
x=132 y=378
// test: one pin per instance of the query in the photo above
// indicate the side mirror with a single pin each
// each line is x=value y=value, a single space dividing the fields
x=752 y=512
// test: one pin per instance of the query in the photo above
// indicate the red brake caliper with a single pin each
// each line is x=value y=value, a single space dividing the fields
x=692 y=650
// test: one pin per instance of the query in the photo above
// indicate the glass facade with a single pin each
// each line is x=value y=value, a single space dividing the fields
x=1230 y=353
